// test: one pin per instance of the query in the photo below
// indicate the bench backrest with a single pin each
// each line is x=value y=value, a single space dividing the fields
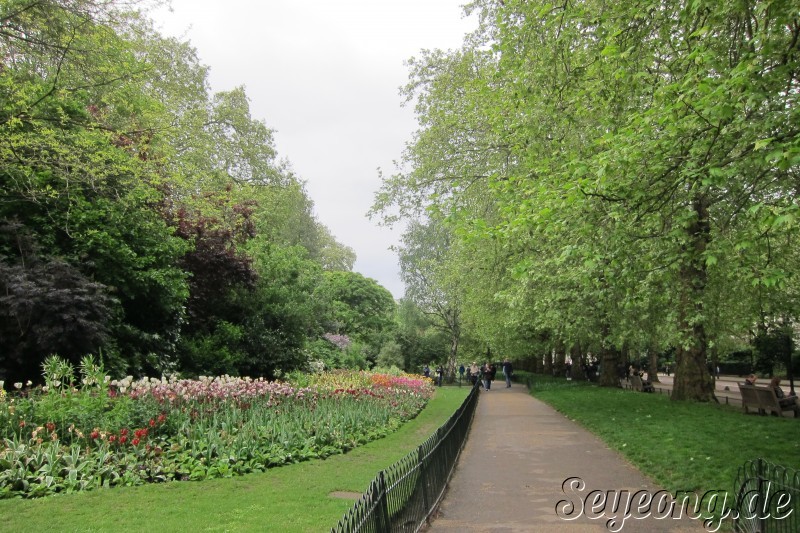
x=768 y=399
x=762 y=398
x=749 y=394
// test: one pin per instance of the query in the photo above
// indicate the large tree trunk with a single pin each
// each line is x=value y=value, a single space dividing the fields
x=609 y=367
x=692 y=379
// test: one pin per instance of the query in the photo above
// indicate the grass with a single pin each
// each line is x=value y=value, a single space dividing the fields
x=680 y=445
x=291 y=498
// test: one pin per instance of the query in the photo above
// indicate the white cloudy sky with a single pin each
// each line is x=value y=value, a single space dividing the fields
x=325 y=75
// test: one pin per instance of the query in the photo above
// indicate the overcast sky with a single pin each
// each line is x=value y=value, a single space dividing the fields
x=325 y=75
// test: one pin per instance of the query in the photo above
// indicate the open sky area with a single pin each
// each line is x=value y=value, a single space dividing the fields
x=326 y=76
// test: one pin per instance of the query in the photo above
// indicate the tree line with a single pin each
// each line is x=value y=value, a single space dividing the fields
x=148 y=221
x=611 y=180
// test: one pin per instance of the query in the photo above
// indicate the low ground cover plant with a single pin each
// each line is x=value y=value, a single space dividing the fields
x=69 y=436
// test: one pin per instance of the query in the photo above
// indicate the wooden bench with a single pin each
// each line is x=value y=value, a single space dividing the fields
x=749 y=398
x=639 y=385
x=762 y=399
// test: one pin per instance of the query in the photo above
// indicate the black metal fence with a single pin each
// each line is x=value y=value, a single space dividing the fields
x=767 y=498
x=402 y=497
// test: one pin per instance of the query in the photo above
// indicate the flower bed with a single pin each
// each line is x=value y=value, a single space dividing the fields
x=62 y=439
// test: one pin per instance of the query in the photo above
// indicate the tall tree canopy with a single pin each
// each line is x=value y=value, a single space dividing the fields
x=641 y=163
x=143 y=217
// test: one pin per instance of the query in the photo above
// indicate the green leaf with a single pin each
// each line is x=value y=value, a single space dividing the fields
x=762 y=143
x=610 y=49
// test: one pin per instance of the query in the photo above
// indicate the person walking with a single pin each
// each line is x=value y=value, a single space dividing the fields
x=474 y=373
x=487 y=376
x=507 y=370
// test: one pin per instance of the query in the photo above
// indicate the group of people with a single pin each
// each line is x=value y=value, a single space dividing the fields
x=486 y=373
x=426 y=371
x=785 y=400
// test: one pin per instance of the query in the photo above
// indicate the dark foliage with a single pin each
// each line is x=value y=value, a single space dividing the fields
x=47 y=307
x=215 y=265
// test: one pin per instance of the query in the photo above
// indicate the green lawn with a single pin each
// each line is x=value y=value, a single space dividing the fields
x=290 y=498
x=680 y=445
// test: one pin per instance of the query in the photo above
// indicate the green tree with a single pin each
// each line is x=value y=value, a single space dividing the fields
x=358 y=307
x=426 y=267
x=640 y=161
x=73 y=173
x=420 y=341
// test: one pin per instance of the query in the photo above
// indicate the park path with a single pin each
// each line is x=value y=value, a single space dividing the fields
x=518 y=454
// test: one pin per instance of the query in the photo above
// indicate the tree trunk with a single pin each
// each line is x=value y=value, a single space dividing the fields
x=652 y=365
x=452 y=361
x=538 y=364
x=692 y=379
x=576 y=354
x=609 y=360
x=559 y=358
x=714 y=363
x=625 y=361
x=548 y=363
x=609 y=367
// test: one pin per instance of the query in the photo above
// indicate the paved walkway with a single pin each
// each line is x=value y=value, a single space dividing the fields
x=517 y=457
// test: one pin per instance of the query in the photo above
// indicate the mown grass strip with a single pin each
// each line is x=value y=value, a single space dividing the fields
x=680 y=445
x=291 y=498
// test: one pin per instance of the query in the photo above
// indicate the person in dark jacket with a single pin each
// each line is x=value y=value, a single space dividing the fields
x=508 y=369
x=488 y=375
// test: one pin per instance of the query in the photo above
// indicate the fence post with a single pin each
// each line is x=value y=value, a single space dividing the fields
x=423 y=475
x=762 y=520
x=383 y=504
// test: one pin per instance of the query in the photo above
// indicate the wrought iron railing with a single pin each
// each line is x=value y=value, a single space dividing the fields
x=767 y=498
x=402 y=497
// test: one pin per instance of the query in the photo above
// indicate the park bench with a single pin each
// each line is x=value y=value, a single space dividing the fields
x=639 y=385
x=762 y=399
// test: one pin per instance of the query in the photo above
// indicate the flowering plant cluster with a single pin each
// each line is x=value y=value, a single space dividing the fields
x=340 y=341
x=107 y=433
x=209 y=389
